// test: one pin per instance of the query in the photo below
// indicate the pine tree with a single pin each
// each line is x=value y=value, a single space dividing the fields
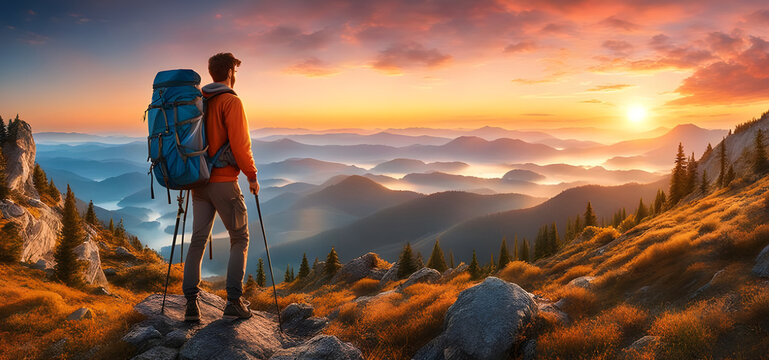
x=304 y=268
x=11 y=243
x=525 y=252
x=691 y=175
x=68 y=267
x=554 y=240
x=678 y=178
x=504 y=255
x=437 y=261
x=287 y=275
x=13 y=129
x=760 y=162
x=729 y=176
x=722 y=163
x=704 y=182
x=540 y=248
x=492 y=265
x=590 y=219
x=249 y=290
x=111 y=226
x=90 y=215
x=261 y=278
x=474 y=269
x=332 y=263
x=3 y=131
x=641 y=213
x=119 y=230
x=659 y=202
x=406 y=262
x=420 y=260
x=53 y=191
x=293 y=277
x=39 y=180
x=516 y=257
x=577 y=226
x=451 y=258
x=708 y=150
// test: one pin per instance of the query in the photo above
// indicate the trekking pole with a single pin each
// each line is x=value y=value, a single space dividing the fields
x=269 y=262
x=210 y=247
x=173 y=245
x=184 y=226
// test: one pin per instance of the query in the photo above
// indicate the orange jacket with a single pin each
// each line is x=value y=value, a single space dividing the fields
x=226 y=119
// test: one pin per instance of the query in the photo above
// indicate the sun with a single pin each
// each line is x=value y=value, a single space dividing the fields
x=636 y=114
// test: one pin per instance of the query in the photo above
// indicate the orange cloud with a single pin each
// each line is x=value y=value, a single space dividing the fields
x=312 y=67
x=609 y=88
x=406 y=55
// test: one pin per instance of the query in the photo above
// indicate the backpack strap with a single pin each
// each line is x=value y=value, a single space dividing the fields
x=226 y=145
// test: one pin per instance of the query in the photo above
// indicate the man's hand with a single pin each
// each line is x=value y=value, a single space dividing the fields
x=253 y=186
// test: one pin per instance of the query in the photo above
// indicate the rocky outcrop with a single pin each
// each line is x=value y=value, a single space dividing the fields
x=20 y=161
x=366 y=266
x=453 y=272
x=709 y=285
x=483 y=323
x=217 y=338
x=423 y=275
x=321 y=347
x=88 y=251
x=79 y=314
x=761 y=268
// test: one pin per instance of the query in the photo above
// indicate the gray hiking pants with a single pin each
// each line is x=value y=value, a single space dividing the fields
x=226 y=199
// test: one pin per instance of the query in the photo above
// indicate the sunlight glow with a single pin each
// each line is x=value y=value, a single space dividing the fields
x=636 y=114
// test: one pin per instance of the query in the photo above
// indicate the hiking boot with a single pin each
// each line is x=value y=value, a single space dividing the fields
x=237 y=309
x=192 y=311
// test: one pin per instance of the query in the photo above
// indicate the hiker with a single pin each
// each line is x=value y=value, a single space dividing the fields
x=225 y=121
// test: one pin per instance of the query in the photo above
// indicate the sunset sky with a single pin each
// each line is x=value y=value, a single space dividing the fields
x=88 y=66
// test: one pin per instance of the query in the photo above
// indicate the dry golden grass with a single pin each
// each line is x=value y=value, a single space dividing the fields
x=575 y=272
x=597 y=338
x=365 y=287
x=577 y=302
x=33 y=312
x=522 y=273
x=691 y=333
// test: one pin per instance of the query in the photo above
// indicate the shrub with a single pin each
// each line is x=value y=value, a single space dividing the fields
x=584 y=340
x=11 y=243
x=365 y=287
x=708 y=226
x=741 y=244
x=692 y=333
x=671 y=249
x=577 y=302
x=605 y=236
x=521 y=273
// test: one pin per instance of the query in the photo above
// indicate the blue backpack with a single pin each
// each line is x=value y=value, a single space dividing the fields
x=177 y=144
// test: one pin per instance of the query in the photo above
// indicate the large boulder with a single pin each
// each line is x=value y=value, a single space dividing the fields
x=321 y=347
x=584 y=282
x=88 y=252
x=298 y=320
x=761 y=268
x=253 y=338
x=423 y=275
x=483 y=323
x=365 y=266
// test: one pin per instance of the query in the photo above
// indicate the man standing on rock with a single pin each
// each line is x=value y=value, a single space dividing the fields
x=226 y=125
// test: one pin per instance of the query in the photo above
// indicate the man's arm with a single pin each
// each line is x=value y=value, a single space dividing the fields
x=240 y=139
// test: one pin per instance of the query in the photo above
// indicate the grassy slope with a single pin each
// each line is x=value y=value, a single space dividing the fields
x=644 y=280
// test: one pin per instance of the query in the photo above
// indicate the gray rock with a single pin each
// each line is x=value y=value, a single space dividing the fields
x=211 y=309
x=176 y=338
x=298 y=320
x=110 y=272
x=124 y=253
x=584 y=282
x=761 y=268
x=20 y=161
x=483 y=323
x=42 y=264
x=562 y=317
x=89 y=252
x=79 y=314
x=11 y=209
x=158 y=353
x=643 y=343
x=390 y=275
x=359 y=268
x=707 y=286
x=141 y=334
x=363 y=300
x=453 y=272
x=253 y=338
x=423 y=275
x=320 y=347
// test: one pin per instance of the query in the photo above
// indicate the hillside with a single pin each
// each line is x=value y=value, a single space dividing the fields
x=484 y=233
x=386 y=231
